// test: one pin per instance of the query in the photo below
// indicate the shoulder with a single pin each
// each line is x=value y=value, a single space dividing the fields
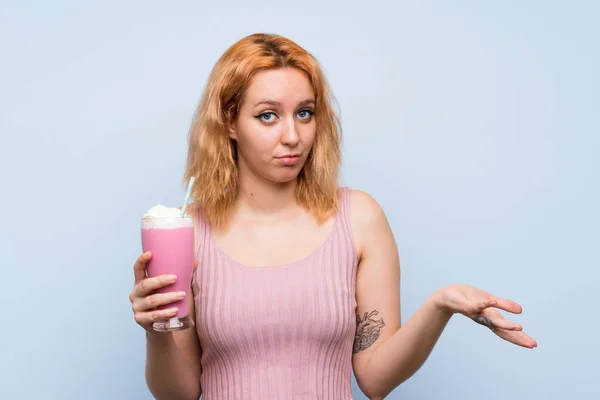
x=367 y=218
x=363 y=206
x=364 y=210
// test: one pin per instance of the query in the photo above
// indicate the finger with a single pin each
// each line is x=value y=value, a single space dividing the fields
x=139 y=268
x=517 y=337
x=471 y=308
x=155 y=300
x=502 y=323
x=147 y=318
x=483 y=320
x=487 y=302
x=148 y=285
x=496 y=320
x=496 y=302
x=508 y=305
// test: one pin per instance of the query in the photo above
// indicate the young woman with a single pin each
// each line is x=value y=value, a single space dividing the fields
x=298 y=280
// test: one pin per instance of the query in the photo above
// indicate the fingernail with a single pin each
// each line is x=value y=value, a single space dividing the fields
x=180 y=294
x=172 y=277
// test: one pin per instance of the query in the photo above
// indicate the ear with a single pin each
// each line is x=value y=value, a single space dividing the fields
x=231 y=129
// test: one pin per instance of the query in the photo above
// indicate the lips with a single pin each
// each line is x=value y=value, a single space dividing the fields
x=289 y=159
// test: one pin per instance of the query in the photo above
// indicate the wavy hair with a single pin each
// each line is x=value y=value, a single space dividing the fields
x=212 y=155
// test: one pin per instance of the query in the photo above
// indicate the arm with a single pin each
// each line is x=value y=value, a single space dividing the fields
x=385 y=355
x=173 y=363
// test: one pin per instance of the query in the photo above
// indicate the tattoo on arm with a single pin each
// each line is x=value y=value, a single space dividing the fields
x=367 y=331
x=480 y=319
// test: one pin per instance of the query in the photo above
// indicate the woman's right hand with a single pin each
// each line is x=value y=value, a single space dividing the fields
x=142 y=299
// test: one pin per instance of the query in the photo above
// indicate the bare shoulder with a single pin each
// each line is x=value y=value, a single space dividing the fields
x=364 y=207
x=366 y=217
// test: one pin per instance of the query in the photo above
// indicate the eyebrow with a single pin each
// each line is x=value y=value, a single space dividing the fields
x=278 y=104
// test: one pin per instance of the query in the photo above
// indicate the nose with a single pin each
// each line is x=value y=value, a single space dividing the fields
x=290 y=136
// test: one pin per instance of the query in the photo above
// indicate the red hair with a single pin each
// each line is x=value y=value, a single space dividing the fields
x=212 y=157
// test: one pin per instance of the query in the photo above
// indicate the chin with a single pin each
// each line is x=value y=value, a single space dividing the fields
x=285 y=175
x=285 y=179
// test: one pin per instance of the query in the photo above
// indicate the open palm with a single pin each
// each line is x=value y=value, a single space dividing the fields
x=482 y=307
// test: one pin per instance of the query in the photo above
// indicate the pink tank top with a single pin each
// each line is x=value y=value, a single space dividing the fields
x=277 y=332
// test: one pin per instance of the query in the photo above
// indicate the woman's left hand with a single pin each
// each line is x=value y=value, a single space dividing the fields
x=480 y=307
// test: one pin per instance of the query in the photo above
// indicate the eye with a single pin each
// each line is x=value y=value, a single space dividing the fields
x=305 y=114
x=266 y=117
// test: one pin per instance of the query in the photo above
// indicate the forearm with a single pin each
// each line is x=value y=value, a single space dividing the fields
x=401 y=355
x=169 y=372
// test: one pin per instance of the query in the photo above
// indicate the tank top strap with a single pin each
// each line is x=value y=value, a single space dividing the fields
x=344 y=217
x=200 y=229
x=344 y=193
x=201 y=242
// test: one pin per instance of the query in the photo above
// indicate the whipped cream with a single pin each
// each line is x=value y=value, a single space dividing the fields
x=163 y=217
x=160 y=211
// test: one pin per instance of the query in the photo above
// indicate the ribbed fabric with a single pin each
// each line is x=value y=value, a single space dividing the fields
x=278 y=332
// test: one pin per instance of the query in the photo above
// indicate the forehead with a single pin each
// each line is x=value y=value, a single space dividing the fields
x=287 y=86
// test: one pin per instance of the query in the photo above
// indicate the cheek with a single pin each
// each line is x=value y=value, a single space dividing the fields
x=308 y=133
x=255 y=140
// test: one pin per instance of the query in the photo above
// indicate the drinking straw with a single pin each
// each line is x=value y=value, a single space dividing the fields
x=187 y=196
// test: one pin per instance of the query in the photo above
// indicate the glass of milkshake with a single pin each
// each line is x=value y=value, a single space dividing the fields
x=169 y=236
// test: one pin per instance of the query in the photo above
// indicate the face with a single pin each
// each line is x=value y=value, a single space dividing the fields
x=275 y=128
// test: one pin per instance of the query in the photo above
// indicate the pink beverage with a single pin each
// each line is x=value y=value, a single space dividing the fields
x=170 y=239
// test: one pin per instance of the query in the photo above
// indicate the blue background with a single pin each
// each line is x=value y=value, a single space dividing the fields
x=474 y=124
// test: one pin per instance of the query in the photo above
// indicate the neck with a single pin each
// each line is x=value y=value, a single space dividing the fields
x=263 y=197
